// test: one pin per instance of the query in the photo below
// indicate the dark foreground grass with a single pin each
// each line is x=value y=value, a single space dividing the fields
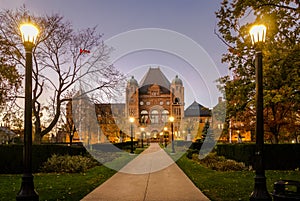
x=63 y=186
x=55 y=186
x=229 y=186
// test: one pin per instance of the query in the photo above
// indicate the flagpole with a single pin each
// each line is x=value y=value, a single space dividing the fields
x=81 y=93
x=80 y=129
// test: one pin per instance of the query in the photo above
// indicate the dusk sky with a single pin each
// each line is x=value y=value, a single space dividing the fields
x=196 y=57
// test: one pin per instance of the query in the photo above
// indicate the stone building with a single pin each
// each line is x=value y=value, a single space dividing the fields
x=196 y=116
x=112 y=122
x=152 y=101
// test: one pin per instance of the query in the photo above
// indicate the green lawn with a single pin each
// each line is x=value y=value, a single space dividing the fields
x=229 y=186
x=57 y=186
x=64 y=186
x=218 y=186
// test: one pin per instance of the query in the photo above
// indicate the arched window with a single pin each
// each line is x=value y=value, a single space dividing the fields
x=154 y=117
x=144 y=117
x=165 y=116
x=177 y=100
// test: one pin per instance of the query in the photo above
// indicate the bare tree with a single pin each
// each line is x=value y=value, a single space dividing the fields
x=61 y=58
x=67 y=123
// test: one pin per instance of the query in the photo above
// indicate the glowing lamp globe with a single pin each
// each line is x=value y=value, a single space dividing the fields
x=29 y=33
x=258 y=33
x=171 y=119
x=131 y=119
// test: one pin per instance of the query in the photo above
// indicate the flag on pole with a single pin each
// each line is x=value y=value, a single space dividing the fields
x=84 y=51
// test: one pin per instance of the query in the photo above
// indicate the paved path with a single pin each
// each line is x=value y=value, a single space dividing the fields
x=151 y=176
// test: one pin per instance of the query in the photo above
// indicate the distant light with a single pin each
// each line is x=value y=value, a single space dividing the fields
x=293 y=141
x=131 y=119
x=165 y=128
x=258 y=33
x=29 y=32
x=171 y=118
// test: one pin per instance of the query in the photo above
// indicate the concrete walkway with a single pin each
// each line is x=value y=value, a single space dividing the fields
x=151 y=176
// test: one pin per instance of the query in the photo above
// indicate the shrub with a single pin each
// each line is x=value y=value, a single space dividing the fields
x=219 y=163
x=191 y=152
x=230 y=165
x=238 y=152
x=12 y=155
x=196 y=145
x=68 y=164
x=276 y=156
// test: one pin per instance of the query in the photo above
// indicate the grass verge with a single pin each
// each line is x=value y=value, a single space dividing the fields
x=63 y=186
x=53 y=186
x=232 y=185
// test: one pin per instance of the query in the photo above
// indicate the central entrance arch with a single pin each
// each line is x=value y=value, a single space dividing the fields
x=154 y=136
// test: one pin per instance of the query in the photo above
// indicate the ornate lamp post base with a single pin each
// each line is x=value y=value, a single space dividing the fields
x=27 y=192
x=260 y=192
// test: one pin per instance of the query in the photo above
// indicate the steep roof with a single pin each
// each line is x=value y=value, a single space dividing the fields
x=155 y=76
x=197 y=110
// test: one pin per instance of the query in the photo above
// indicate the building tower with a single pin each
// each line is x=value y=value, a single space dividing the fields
x=132 y=93
x=177 y=98
x=153 y=100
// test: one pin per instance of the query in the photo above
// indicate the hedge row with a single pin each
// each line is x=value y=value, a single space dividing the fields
x=116 y=147
x=276 y=156
x=238 y=152
x=11 y=156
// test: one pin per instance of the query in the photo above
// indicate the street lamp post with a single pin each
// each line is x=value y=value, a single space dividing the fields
x=29 y=34
x=142 y=135
x=131 y=120
x=165 y=135
x=172 y=131
x=148 y=140
x=258 y=34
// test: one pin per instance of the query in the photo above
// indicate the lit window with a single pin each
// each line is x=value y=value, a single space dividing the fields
x=144 y=117
x=165 y=116
x=154 y=117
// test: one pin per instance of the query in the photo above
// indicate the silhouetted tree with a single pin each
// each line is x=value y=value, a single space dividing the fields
x=61 y=57
x=281 y=61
